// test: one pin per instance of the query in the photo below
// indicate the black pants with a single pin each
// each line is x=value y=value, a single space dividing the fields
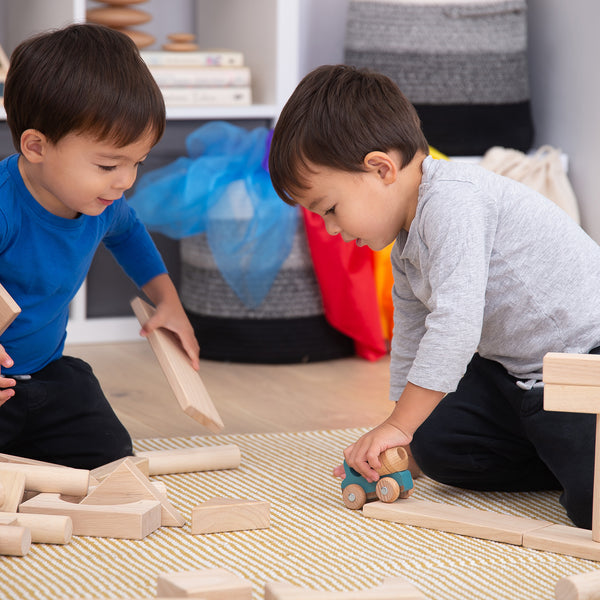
x=61 y=415
x=492 y=435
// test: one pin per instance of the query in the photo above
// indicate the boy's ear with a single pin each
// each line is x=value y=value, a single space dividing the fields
x=381 y=163
x=33 y=145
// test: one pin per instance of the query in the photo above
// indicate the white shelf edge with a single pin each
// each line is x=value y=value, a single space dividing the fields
x=103 y=330
x=254 y=111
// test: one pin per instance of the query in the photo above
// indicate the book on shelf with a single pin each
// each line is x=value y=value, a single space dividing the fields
x=199 y=76
x=207 y=96
x=201 y=58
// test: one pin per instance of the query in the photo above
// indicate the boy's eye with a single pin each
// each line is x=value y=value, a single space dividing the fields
x=329 y=211
x=107 y=167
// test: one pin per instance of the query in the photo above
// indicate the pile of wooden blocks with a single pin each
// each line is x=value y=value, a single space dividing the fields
x=48 y=503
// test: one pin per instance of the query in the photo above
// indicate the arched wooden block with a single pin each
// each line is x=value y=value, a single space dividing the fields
x=129 y=521
x=392 y=588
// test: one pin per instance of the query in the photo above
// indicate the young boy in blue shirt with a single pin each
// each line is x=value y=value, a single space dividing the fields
x=489 y=276
x=84 y=112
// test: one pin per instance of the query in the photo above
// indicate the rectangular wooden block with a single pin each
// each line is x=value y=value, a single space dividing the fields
x=392 y=588
x=183 y=379
x=210 y=584
x=563 y=539
x=572 y=369
x=473 y=522
x=572 y=398
x=128 y=521
x=230 y=514
x=9 y=309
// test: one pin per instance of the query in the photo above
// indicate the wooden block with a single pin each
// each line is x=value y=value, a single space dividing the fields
x=571 y=369
x=14 y=540
x=9 y=309
x=45 y=529
x=183 y=379
x=101 y=473
x=8 y=518
x=473 y=522
x=563 y=539
x=53 y=479
x=13 y=483
x=128 y=521
x=584 y=586
x=230 y=514
x=210 y=584
x=190 y=460
x=128 y=484
x=392 y=588
x=572 y=398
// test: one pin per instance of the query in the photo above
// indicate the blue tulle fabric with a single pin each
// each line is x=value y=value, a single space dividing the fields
x=222 y=188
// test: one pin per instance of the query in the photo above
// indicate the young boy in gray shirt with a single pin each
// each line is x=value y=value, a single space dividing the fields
x=489 y=276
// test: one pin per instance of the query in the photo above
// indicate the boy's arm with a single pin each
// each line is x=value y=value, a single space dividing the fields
x=413 y=407
x=170 y=315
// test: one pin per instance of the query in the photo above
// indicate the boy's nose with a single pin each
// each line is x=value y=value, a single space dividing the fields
x=125 y=181
x=332 y=229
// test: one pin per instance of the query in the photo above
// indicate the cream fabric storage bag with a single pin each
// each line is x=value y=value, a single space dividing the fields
x=542 y=171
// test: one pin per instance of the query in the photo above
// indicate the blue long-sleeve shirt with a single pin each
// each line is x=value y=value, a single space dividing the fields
x=44 y=259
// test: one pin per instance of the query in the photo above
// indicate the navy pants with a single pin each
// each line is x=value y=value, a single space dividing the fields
x=61 y=415
x=492 y=435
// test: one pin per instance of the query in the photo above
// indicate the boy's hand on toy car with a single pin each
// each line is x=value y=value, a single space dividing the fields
x=363 y=455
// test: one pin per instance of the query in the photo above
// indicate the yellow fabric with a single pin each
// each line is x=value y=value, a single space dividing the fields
x=384 y=280
x=313 y=542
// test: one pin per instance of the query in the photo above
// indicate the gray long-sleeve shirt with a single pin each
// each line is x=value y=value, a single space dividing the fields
x=488 y=266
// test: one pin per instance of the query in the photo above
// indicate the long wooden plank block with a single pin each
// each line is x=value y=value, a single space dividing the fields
x=392 y=588
x=210 y=584
x=183 y=379
x=572 y=369
x=563 y=539
x=472 y=522
x=572 y=398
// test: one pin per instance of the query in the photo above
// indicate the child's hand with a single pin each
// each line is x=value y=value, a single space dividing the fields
x=363 y=455
x=6 y=383
x=173 y=318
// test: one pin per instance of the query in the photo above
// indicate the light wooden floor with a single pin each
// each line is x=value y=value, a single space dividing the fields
x=250 y=398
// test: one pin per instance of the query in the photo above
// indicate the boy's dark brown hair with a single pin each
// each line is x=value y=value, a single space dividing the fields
x=334 y=118
x=83 y=78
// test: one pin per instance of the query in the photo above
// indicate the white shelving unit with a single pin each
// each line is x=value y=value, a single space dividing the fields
x=266 y=31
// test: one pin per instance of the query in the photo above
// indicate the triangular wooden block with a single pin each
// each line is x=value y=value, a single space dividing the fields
x=13 y=484
x=128 y=484
x=101 y=473
x=183 y=379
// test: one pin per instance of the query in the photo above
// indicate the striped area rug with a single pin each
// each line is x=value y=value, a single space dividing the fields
x=313 y=542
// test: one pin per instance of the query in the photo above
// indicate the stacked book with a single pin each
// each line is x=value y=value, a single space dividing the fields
x=201 y=78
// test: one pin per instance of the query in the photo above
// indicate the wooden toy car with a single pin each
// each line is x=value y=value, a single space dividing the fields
x=395 y=482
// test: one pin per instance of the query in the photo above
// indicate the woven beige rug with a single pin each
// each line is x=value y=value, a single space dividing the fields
x=313 y=541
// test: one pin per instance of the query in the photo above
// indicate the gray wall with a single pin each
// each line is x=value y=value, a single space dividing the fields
x=564 y=44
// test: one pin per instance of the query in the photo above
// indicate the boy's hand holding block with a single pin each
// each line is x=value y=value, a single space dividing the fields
x=183 y=379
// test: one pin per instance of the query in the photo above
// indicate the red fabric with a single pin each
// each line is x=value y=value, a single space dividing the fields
x=345 y=275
